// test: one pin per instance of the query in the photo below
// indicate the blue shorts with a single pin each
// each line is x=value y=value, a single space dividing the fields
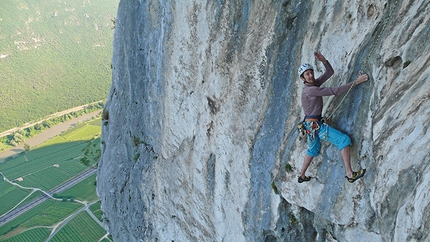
x=328 y=133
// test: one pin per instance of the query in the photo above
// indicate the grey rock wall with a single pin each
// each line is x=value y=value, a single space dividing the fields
x=199 y=140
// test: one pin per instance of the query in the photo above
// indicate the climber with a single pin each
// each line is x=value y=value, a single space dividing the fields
x=316 y=130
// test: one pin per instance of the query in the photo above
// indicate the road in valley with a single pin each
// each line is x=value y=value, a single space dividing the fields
x=37 y=140
x=24 y=208
x=64 y=222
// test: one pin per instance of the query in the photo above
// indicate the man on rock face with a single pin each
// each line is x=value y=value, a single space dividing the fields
x=316 y=130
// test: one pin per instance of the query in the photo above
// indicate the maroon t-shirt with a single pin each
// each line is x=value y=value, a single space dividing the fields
x=312 y=101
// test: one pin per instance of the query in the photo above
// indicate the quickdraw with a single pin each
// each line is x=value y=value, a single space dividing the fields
x=302 y=130
x=310 y=130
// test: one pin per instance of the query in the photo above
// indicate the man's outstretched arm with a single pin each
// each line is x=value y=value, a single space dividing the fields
x=328 y=69
x=316 y=91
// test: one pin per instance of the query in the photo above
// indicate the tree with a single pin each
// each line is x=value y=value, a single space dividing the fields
x=29 y=132
x=38 y=126
x=16 y=138
x=92 y=153
x=27 y=147
x=46 y=124
x=13 y=142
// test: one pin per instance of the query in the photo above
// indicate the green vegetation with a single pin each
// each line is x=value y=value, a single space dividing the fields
x=105 y=117
x=10 y=195
x=96 y=210
x=54 y=55
x=64 y=198
x=20 y=136
x=54 y=162
x=48 y=166
x=288 y=167
x=44 y=214
x=137 y=141
x=83 y=191
x=81 y=228
x=31 y=235
x=51 y=212
x=3 y=146
x=293 y=219
x=109 y=239
x=92 y=152
x=136 y=156
x=275 y=188
x=29 y=198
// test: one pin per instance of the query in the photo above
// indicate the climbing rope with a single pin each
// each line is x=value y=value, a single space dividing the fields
x=367 y=58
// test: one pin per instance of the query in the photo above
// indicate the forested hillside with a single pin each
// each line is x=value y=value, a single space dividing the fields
x=54 y=55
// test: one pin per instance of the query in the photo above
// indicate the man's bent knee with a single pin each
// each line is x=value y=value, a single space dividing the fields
x=313 y=153
x=345 y=142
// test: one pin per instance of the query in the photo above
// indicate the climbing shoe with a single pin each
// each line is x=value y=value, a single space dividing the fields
x=307 y=178
x=356 y=175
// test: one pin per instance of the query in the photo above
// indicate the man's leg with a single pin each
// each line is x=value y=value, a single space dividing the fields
x=313 y=150
x=306 y=163
x=347 y=161
x=343 y=142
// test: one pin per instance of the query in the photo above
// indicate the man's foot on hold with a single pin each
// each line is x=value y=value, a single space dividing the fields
x=356 y=175
x=307 y=178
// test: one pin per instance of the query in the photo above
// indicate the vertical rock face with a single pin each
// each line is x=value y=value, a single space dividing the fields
x=199 y=139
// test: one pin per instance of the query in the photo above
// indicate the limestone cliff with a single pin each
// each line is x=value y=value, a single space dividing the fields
x=199 y=140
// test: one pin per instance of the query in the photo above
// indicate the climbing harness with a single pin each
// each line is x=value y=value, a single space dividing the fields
x=312 y=128
x=303 y=132
x=367 y=58
x=309 y=127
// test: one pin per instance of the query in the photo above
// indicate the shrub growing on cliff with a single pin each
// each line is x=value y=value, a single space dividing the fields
x=136 y=156
x=105 y=116
x=275 y=189
x=288 y=168
x=137 y=141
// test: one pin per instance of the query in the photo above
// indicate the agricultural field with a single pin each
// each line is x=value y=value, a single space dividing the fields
x=46 y=214
x=54 y=55
x=46 y=167
x=54 y=162
x=96 y=210
x=81 y=228
x=83 y=191
x=10 y=195
x=36 y=234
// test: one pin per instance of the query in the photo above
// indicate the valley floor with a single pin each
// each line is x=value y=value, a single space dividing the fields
x=46 y=135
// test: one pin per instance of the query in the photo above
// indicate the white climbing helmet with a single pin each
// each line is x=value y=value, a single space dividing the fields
x=304 y=68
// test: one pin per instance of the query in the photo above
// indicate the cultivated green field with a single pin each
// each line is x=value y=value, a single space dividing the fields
x=10 y=195
x=54 y=162
x=81 y=228
x=96 y=210
x=83 y=191
x=54 y=55
x=46 y=214
x=36 y=234
x=46 y=167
